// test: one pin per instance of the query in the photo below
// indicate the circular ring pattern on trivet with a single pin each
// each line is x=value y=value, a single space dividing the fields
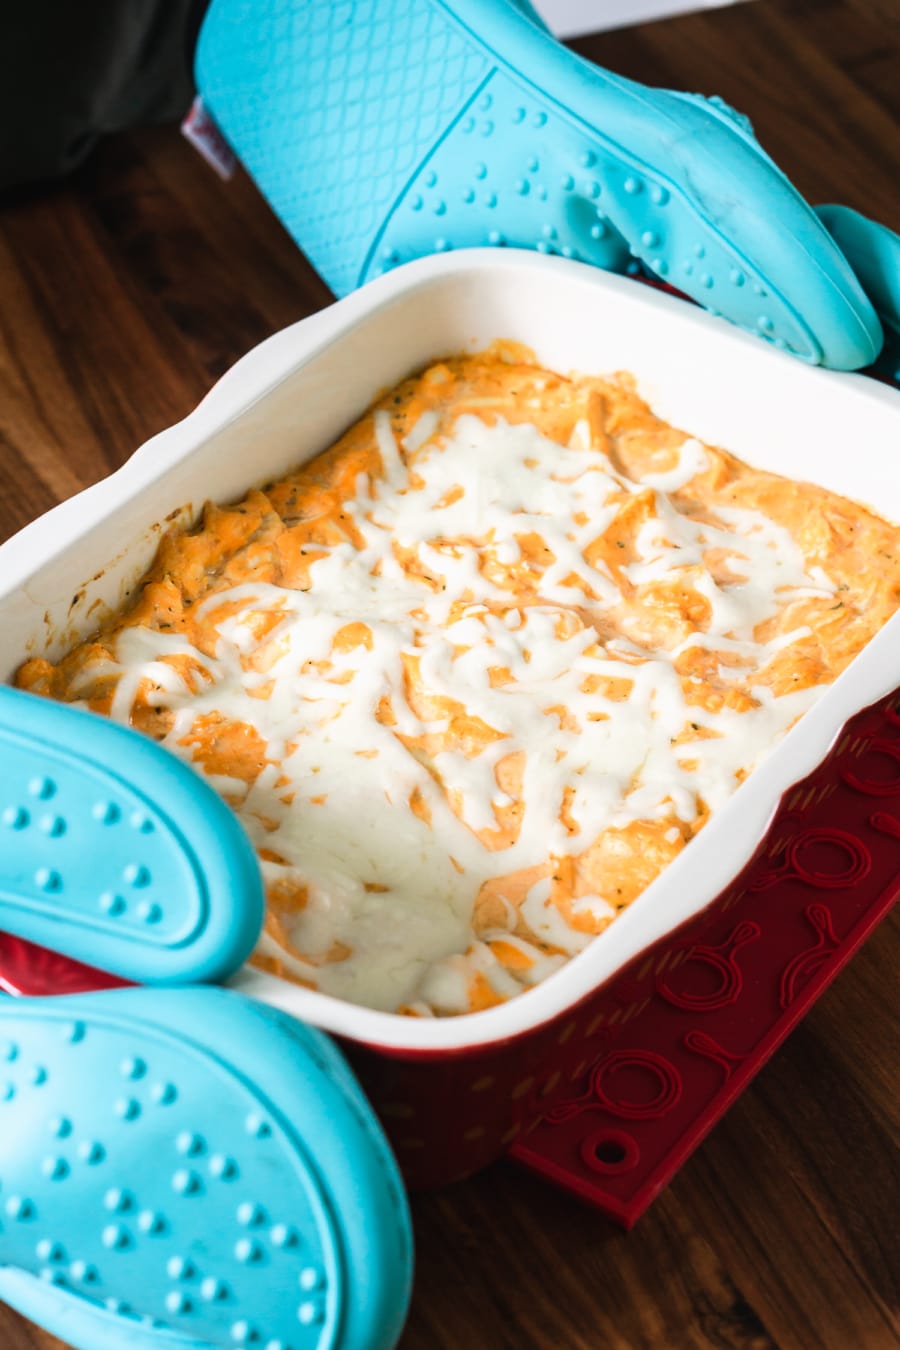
x=668 y=1084
x=857 y=861
x=723 y=960
x=877 y=787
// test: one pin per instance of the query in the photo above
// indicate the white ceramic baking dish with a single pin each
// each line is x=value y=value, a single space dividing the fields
x=291 y=397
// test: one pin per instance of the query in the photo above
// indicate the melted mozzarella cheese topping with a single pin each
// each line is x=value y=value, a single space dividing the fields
x=434 y=725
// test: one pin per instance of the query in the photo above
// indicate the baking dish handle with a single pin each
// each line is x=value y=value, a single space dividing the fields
x=267 y=364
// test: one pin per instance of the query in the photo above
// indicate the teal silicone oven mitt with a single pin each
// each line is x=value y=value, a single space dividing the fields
x=180 y=1169
x=382 y=130
x=873 y=251
x=186 y=1169
x=114 y=852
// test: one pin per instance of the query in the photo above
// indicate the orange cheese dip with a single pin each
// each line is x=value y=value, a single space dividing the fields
x=473 y=676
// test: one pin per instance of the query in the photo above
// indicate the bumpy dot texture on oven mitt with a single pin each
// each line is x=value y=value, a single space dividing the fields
x=382 y=131
x=188 y=1168
x=114 y=852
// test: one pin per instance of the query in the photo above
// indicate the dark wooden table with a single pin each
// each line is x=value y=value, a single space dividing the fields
x=124 y=293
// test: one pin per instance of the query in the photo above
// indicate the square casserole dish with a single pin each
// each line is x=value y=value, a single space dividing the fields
x=456 y=1093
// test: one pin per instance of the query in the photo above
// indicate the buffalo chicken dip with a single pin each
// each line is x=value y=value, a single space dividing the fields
x=474 y=675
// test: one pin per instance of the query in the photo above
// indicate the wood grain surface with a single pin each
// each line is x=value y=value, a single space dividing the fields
x=124 y=293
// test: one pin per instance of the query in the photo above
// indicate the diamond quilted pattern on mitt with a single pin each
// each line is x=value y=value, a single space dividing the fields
x=332 y=107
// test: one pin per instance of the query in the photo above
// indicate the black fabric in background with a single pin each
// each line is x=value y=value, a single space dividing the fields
x=73 y=70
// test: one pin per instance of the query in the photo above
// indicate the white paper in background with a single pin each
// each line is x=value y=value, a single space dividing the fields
x=568 y=18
